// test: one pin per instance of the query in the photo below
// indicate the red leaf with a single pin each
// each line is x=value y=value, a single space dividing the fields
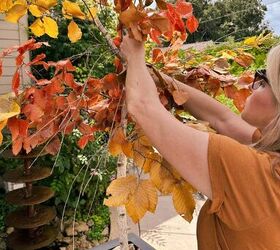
x=83 y=141
x=157 y=56
x=155 y=34
x=33 y=112
x=19 y=60
x=184 y=8
x=53 y=147
x=37 y=60
x=16 y=82
x=117 y=41
x=192 y=24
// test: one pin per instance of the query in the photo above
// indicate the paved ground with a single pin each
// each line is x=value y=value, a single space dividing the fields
x=166 y=230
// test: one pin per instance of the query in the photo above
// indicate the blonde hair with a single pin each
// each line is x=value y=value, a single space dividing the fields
x=270 y=141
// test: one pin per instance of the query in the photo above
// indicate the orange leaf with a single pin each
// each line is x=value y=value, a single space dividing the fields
x=240 y=98
x=131 y=15
x=33 y=112
x=16 y=82
x=244 y=60
x=160 y=22
x=54 y=146
x=192 y=24
x=184 y=8
x=83 y=141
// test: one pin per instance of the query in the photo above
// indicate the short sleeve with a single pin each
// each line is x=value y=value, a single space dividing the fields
x=244 y=191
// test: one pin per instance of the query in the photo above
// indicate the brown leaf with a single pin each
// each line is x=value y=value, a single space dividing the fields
x=180 y=97
x=160 y=22
x=244 y=60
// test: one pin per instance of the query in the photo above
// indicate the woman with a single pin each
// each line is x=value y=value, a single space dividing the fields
x=240 y=181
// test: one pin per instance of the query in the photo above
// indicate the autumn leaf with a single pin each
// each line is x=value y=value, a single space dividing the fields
x=244 y=59
x=46 y=4
x=33 y=112
x=183 y=200
x=137 y=196
x=71 y=9
x=120 y=190
x=36 y=11
x=74 y=32
x=143 y=199
x=8 y=109
x=51 y=28
x=15 y=13
x=192 y=24
x=184 y=8
x=2 y=125
x=163 y=178
x=240 y=97
x=180 y=96
x=53 y=146
x=37 y=27
x=161 y=4
x=5 y=5
x=131 y=15
x=16 y=82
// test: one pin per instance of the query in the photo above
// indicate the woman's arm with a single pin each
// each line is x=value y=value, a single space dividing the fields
x=221 y=118
x=183 y=147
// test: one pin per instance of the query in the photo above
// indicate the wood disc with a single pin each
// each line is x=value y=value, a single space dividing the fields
x=18 y=175
x=39 y=195
x=20 y=219
x=33 y=154
x=20 y=240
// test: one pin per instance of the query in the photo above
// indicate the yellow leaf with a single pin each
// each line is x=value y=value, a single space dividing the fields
x=163 y=178
x=8 y=107
x=92 y=13
x=120 y=190
x=15 y=13
x=46 y=4
x=229 y=54
x=71 y=9
x=74 y=32
x=50 y=26
x=141 y=154
x=251 y=41
x=36 y=11
x=5 y=5
x=144 y=199
x=37 y=27
x=2 y=125
x=116 y=141
x=183 y=200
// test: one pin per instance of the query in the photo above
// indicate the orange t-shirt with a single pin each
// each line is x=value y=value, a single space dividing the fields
x=244 y=213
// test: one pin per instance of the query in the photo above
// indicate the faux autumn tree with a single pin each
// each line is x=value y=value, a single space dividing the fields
x=52 y=108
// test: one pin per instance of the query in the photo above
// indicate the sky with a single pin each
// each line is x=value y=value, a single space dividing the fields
x=273 y=14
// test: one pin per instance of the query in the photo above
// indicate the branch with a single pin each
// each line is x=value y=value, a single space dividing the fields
x=106 y=34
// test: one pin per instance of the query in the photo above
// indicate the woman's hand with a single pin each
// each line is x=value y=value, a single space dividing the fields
x=133 y=50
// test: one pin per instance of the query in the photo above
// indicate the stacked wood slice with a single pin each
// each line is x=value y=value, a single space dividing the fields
x=31 y=220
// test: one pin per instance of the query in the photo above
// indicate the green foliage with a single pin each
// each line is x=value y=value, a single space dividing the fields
x=100 y=220
x=222 y=18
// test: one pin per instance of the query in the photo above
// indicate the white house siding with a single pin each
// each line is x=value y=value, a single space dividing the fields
x=10 y=35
